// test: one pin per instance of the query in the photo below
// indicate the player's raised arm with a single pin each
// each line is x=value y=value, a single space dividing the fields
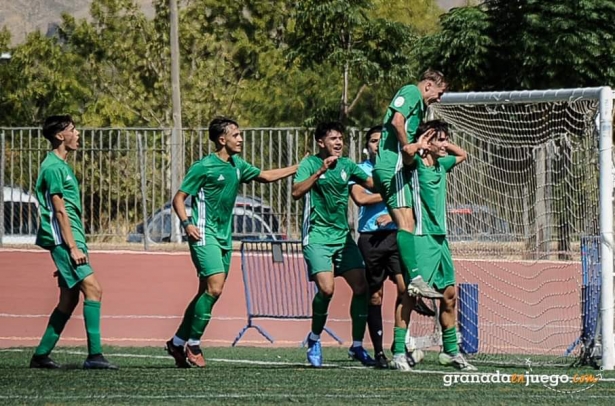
x=301 y=187
x=458 y=152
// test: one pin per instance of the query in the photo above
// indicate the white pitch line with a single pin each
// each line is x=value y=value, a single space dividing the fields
x=273 y=363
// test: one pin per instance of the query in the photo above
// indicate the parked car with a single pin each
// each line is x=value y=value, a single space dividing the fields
x=20 y=216
x=252 y=219
x=473 y=222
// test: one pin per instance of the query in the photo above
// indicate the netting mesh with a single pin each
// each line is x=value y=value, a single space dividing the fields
x=517 y=210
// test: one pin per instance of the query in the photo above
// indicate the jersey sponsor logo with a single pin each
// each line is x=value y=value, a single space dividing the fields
x=220 y=178
x=344 y=175
x=399 y=101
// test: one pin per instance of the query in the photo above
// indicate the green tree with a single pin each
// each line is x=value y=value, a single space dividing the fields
x=363 y=50
x=525 y=44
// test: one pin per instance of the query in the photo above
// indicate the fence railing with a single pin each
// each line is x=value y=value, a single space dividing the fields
x=126 y=174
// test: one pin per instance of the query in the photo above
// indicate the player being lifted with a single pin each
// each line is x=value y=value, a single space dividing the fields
x=61 y=232
x=213 y=182
x=433 y=256
x=391 y=172
x=328 y=247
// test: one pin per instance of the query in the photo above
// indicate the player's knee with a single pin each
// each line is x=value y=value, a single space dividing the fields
x=215 y=291
x=326 y=291
x=359 y=287
x=91 y=289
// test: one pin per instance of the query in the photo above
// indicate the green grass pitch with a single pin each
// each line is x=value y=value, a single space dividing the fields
x=249 y=375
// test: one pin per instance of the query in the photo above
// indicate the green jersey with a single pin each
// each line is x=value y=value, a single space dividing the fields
x=325 y=213
x=213 y=185
x=429 y=184
x=57 y=178
x=409 y=103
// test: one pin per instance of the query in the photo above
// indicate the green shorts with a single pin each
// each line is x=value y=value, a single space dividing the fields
x=337 y=257
x=69 y=273
x=210 y=259
x=394 y=186
x=434 y=260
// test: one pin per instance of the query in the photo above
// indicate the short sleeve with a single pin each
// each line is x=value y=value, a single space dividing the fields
x=54 y=180
x=357 y=174
x=406 y=100
x=194 y=179
x=248 y=171
x=305 y=170
x=448 y=162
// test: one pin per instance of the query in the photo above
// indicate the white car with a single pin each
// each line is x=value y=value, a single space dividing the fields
x=20 y=216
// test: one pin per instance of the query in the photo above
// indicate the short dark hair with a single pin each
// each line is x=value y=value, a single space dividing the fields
x=438 y=125
x=219 y=126
x=56 y=124
x=435 y=76
x=323 y=128
x=373 y=130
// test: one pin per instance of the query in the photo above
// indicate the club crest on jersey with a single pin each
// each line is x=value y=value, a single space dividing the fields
x=344 y=175
x=238 y=174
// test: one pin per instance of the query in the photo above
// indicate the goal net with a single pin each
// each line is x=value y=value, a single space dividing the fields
x=524 y=222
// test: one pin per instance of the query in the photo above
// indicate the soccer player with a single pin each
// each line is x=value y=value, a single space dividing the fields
x=213 y=182
x=435 y=263
x=391 y=174
x=61 y=233
x=328 y=247
x=378 y=246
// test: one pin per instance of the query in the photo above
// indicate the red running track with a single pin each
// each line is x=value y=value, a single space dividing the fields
x=528 y=307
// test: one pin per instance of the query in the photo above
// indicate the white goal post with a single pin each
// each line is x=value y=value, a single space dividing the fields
x=544 y=122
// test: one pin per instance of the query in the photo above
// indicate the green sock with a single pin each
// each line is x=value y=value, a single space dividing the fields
x=320 y=311
x=405 y=243
x=50 y=338
x=91 y=316
x=183 y=331
x=202 y=315
x=399 y=340
x=449 y=341
x=358 y=314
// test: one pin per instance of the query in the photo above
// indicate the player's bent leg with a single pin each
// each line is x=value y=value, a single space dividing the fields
x=450 y=354
x=375 y=327
x=404 y=219
x=325 y=283
x=69 y=298
x=92 y=293
x=202 y=315
x=358 y=314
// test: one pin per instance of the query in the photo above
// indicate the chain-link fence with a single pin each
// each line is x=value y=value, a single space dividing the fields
x=126 y=174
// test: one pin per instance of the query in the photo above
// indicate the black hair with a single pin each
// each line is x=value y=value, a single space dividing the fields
x=373 y=130
x=438 y=125
x=323 y=128
x=219 y=126
x=56 y=124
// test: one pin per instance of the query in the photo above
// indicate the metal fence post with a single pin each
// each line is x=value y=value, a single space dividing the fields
x=143 y=191
x=1 y=187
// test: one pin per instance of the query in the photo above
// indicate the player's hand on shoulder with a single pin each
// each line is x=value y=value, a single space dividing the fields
x=193 y=233
x=78 y=256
